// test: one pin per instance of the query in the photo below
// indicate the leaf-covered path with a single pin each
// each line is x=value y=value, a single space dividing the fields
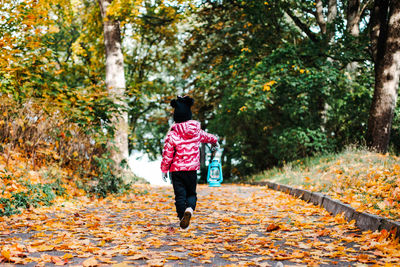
x=233 y=225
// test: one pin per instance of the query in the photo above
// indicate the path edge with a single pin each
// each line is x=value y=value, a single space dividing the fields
x=363 y=220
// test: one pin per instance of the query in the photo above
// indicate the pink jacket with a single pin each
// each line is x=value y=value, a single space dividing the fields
x=181 y=148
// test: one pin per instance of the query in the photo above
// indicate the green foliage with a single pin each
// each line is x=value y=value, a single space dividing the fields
x=294 y=143
x=33 y=195
x=152 y=57
x=282 y=107
x=272 y=87
x=279 y=92
x=106 y=182
x=395 y=134
x=54 y=106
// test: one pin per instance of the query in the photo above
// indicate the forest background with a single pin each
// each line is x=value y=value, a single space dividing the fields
x=83 y=83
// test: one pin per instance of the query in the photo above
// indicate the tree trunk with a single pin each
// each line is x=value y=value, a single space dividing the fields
x=328 y=29
x=354 y=12
x=378 y=28
x=353 y=17
x=327 y=26
x=320 y=16
x=387 y=73
x=332 y=11
x=330 y=20
x=115 y=83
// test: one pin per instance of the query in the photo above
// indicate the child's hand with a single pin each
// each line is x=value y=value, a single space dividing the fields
x=215 y=147
x=165 y=176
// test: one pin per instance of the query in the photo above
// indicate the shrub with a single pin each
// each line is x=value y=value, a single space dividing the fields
x=298 y=143
x=28 y=195
x=106 y=182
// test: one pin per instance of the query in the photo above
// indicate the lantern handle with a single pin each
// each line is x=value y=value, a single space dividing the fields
x=213 y=152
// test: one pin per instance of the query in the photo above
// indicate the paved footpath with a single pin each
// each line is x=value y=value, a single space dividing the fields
x=233 y=225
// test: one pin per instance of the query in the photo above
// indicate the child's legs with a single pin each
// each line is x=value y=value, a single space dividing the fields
x=180 y=193
x=191 y=184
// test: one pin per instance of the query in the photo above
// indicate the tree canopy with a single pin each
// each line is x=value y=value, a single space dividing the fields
x=275 y=80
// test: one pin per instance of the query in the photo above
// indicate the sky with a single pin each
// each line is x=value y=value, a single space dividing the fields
x=149 y=170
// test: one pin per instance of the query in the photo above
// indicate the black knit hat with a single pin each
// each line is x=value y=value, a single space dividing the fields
x=182 y=110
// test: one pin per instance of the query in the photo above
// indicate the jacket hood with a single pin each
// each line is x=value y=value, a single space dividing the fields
x=187 y=129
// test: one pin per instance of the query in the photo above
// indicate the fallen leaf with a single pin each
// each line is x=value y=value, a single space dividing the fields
x=90 y=262
x=272 y=227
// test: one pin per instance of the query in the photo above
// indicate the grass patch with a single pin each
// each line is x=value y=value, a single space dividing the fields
x=370 y=182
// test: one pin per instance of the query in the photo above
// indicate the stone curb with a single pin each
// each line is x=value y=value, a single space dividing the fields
x=364 y=221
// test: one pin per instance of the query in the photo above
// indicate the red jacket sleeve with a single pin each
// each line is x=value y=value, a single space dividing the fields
x=168 y=153
x=207 y=138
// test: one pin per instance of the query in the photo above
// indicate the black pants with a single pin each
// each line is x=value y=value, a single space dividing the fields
x=184 y=183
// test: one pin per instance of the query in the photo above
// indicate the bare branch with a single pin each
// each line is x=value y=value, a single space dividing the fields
x=319 y=15
x=353 y=17
x=364 y=6
x=332 y=11
x=302 y=26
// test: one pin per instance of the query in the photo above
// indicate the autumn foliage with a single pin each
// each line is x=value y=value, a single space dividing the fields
x=275 y=90
x=232 y=226
x=369 y=182
x=54 y=113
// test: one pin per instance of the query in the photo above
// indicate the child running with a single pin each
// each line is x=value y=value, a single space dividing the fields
x=181 y=157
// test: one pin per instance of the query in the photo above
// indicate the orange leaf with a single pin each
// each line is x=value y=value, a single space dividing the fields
x=364 y=258
x=6 y=254
x=58 y=261
x=272 y=227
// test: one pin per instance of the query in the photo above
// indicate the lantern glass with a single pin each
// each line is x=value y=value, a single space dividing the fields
x=214 y=173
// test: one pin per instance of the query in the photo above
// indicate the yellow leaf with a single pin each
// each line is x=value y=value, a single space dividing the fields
x=67 y=256
x=57 y=260
x=123 y=264
x=53 y=29
x=90 y=262
x=267 y=85
x=138 y=257
x=156 y=262
x=44 y=248
x=382 y=205
x=6 y=254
